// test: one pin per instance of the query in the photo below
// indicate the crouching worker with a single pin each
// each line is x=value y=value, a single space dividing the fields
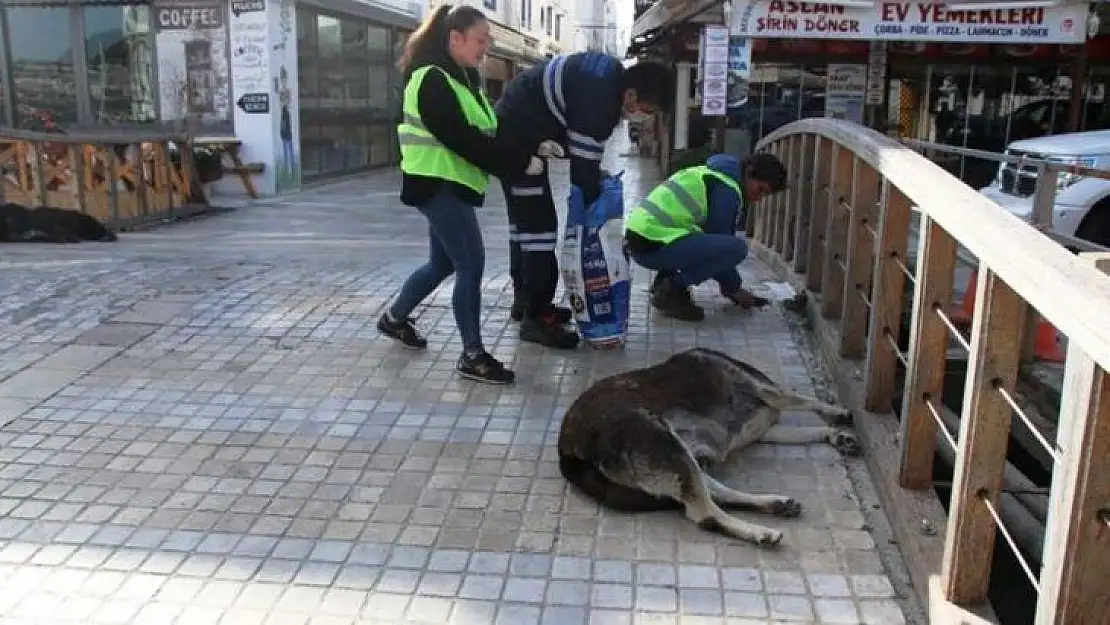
x=685 y=230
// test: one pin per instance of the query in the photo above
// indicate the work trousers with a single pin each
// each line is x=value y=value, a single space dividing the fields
x=533 y=234
x=698 y=257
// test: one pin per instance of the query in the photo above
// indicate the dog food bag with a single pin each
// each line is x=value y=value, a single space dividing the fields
x=595 y=265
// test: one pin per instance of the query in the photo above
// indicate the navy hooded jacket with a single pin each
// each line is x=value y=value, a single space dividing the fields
x=575 y=99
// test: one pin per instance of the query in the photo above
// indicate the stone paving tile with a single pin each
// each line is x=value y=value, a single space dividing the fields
x=202 y=426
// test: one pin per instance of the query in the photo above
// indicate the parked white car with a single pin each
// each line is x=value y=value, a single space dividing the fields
x=1082 y=207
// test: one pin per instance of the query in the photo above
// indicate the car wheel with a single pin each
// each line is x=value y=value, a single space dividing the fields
x=1095 y=226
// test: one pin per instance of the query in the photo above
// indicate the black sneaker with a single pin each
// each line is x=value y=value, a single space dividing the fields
x=402 y=330
x=484 y=368
x=562 y=314
x=548 y=331
x=674 y=301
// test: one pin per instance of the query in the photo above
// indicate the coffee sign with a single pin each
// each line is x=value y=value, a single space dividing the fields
x=189 y=16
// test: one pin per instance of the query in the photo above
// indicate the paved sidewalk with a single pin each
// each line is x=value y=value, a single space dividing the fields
x=203 y=426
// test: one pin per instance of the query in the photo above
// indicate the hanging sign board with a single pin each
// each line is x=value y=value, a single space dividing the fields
x=714 y=70
x=876 y=73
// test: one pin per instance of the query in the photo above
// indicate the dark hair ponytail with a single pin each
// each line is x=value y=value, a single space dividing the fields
x=429 y=40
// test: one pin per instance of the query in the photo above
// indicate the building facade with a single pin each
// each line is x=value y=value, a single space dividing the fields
x=309 y=87
x=965 y=73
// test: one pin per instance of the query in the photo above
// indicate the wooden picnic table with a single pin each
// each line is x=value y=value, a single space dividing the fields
x=230 y=146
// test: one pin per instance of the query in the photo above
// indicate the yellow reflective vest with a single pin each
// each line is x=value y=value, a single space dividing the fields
x=677 y=207
x=422 y=154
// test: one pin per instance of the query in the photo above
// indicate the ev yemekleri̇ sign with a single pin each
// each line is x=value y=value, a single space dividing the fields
x=910 y=21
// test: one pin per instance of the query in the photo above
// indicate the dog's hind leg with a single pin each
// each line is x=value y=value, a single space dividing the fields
x=786 y=400
x=730 y=498
x=701 y=509
x=661 y=465
x=844 y=442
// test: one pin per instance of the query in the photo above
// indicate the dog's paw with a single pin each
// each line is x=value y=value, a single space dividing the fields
x=786 y=508
x=768 y=538
x=845 y=442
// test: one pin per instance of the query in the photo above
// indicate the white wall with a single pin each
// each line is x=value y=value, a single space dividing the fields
x=590 y=17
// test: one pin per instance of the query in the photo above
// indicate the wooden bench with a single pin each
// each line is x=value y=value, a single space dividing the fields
x=229 y=147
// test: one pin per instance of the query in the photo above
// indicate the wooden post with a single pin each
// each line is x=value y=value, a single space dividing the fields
x=169 y=175
x=840 y=190
x=886 y=300
x=936 y=264
x=824 y=156
x=752 y=215
x=792 y=194
x=38 y=177
x=1075 y=573
x=860 y=249
x=77 y=176
x=142 y=190
x=984 y=437
x=804 y=178
x=783 y=148
x=112 y=179
x=764 y=224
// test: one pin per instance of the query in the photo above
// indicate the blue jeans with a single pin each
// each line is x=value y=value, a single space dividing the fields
x=455 y=247
x=700 y=257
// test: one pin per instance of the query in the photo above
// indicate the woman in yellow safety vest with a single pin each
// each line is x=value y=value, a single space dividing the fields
x=449 y=148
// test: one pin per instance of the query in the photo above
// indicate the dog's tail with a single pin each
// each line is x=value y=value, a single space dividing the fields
x=593 y=482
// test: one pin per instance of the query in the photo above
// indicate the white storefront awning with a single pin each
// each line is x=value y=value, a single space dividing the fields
x=666 y=13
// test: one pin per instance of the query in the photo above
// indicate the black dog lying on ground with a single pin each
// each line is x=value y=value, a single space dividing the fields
x=19 y=224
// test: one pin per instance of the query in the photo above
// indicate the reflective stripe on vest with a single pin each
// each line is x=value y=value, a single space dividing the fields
x=422 y=154
x=677 y=207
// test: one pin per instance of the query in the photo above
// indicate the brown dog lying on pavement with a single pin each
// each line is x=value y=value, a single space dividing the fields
x=646 y=439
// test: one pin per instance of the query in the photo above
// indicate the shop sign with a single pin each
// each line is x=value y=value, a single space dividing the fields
x=910 y=21
x=239 y=7
x=844 y=95
x=254 y=103
x=201 y=15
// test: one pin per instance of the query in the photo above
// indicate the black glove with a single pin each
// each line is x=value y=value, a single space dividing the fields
x=604 y=173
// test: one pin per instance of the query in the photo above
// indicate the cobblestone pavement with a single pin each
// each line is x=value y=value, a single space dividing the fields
x=201 y=425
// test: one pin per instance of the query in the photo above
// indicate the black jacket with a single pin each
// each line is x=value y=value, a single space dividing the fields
x=444 y=118
x=575 y=99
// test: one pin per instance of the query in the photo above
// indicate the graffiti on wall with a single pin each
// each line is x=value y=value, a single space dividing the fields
x=284 y=62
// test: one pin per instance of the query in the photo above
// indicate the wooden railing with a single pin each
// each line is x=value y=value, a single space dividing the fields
x=123 y=178
x=843 y=224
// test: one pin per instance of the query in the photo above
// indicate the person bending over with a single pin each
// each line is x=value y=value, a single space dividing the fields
x=685 y=230
x=578 y=99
